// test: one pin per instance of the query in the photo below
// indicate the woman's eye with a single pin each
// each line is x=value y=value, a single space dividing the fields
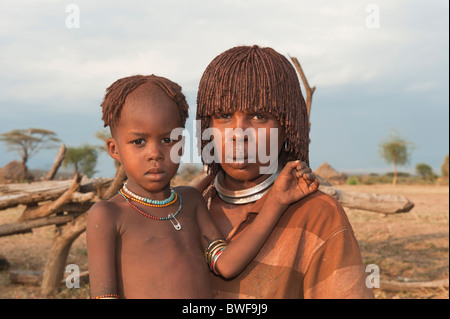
x=259 y=117
x=222 y=116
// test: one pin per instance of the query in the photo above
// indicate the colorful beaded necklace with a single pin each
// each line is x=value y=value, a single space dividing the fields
x=171 y=217
x=146 y=203
x=148 y=200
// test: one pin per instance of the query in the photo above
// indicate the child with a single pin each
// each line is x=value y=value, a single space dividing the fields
x=147 y=241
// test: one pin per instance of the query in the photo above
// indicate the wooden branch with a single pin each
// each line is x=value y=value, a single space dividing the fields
x=309 y=90
x=54 y=269
x=380 y=203
x=116 y=183
x=58 y=161
x=54 y=206
x=404 y=286
x=27 y=194
x=27 y=226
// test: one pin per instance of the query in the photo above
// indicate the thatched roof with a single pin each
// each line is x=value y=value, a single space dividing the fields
x=13 y=172
x=330 y=174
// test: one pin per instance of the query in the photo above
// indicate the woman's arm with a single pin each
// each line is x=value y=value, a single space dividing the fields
x=289 y=187
x=101 y=233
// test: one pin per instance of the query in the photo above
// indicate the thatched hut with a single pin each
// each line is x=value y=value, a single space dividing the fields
x=13 y=172
x=330 y=174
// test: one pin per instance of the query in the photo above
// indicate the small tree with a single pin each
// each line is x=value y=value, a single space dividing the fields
x=83 y=158
x=425 y=171
x=444 y=168
x=395 y=150
x=27 y=142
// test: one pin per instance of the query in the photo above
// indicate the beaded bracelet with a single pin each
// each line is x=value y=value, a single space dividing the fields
x=214 y=262
x=107 y=297
x=213 y=251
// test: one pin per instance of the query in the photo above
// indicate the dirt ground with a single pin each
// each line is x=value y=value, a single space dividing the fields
x=407 y=247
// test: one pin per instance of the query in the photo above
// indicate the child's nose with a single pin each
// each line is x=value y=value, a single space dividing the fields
x=154 y=153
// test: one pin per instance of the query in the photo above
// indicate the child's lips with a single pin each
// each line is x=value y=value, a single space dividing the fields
x=155 y=170
x=155 y=174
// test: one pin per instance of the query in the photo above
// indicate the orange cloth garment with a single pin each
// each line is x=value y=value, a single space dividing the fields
x=311 y=253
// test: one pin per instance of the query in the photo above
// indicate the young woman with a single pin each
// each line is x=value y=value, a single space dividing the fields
x=312 y=251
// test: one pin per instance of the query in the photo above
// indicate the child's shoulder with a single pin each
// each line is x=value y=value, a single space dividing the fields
x=188 y=192
x=105 y=210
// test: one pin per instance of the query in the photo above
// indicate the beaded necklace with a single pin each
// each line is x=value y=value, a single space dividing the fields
x=176 y=224
x=146 y=203
x=148 y=200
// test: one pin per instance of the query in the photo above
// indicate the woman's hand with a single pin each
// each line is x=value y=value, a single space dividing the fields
x=295 y=181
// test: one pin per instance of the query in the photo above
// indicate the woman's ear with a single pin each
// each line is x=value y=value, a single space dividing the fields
x=112 y=148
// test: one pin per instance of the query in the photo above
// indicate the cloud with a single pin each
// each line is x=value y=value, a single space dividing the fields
x=48 y=67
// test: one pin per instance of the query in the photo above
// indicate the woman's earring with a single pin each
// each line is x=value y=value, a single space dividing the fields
x=285 y=146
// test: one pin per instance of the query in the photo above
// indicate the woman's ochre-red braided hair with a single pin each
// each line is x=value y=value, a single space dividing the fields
x=256 y=79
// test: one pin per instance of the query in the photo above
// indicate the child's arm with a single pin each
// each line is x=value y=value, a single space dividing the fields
x=289 y=187
x=101 y=233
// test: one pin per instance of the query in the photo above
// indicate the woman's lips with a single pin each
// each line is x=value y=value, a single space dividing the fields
x=238 y=165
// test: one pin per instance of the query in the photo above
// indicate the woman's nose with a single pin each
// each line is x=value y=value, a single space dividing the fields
x=240 y=124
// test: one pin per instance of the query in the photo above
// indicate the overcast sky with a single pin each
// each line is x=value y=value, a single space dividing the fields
x=377 y=66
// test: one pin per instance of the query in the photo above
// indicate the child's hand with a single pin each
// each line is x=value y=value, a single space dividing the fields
x=294 y=182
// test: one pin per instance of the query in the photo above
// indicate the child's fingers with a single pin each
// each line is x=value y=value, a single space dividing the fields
x=290 y=166
x=301 y=165
x=314 y=186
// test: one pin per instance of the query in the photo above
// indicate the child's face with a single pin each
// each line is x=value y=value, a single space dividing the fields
x=141 y=140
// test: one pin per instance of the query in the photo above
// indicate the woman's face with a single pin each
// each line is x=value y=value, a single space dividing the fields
x=247 y=143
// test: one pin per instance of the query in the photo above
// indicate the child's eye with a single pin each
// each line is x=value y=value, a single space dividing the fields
x=139 y=141
x=167 y=140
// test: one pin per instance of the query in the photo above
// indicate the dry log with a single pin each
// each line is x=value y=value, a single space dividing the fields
x=25 y=277
x=387 y=204
x=58 y=161
x=116 y=184
x=54 y=269
x=27 y=194
x=405 y=286
x=27 y=226
x=54 y=206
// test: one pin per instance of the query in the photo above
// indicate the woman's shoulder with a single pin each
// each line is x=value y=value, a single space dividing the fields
x=318 y=213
